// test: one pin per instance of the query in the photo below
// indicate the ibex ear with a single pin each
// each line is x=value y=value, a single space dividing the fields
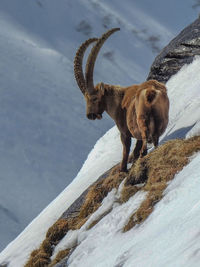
x=101 y=87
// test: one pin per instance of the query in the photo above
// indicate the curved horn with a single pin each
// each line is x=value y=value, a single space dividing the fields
x=78 y=61
x=92 y=58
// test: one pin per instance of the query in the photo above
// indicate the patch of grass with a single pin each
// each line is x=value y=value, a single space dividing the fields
x=96 y=193
x=159 y=167
x=47 y=246
x=41 y=257
x=154 y=171
x=128 y=191
x=57 y=231
x=60 y=256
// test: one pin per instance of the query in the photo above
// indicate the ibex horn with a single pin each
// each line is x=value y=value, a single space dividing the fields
x=92 y=58
x=78 y=61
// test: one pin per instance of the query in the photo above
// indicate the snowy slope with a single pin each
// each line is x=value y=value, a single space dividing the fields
x=42 y=113
x=169 y=235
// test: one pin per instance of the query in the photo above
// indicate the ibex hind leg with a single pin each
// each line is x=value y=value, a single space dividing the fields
x=144 y=134
x=155 y=140
x=136 y=152
x=142 y=124
x=150 y=130
x=143 y=151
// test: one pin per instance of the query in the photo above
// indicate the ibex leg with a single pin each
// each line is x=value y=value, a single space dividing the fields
x=126 y=141
x=142 y=124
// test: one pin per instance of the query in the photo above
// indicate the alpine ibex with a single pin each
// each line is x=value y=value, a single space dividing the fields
x=139 y=111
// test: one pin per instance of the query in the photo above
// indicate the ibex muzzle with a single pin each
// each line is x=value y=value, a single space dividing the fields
x=94 y=105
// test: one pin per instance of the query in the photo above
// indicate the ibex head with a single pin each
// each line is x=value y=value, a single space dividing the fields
x=93 y=94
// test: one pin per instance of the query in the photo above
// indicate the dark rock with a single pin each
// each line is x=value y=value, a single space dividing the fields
x=180 y=51
x=74 y=209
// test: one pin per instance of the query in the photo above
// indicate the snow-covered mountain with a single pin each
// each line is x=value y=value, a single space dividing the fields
x=170 y=235
x=44 y=132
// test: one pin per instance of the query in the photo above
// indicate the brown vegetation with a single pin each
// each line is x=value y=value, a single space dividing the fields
x=41 y=256
x=61 y=255
x=150 y=173
x=158 y=168
x=96 y=193
x=139 y=111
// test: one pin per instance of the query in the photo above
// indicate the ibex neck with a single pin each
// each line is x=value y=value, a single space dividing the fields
x=113 y=98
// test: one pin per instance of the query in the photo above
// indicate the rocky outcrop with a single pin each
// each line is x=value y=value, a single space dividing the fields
x=180 y=51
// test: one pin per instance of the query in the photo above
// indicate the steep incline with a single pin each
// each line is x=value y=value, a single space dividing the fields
x=184 y=114
x=42 y=113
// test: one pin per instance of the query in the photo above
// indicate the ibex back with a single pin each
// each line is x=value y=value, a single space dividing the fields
x=139 y=111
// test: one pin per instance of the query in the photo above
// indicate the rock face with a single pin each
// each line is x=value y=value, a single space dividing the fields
x=181 y=50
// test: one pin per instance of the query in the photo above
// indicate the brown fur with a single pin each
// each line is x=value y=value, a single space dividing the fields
x=139 y=111
x=147 y=114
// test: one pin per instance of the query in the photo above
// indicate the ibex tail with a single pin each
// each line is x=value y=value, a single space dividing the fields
x=150 y=96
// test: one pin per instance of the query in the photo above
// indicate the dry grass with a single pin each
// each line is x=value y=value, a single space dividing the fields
x=57 y=231
x=98 y=192
x=158 y=168
x=41 y=259
x=41 y=256
x=127 y=192
x=93 y=199
x=61 y=255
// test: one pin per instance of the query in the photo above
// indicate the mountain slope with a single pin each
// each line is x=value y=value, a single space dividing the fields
x=42 y=113
x=169 y=237
x=160 y=227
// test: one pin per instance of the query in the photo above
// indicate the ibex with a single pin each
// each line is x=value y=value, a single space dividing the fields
x=139 y=111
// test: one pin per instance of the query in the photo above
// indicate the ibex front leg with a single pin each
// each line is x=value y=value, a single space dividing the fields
x=126 y=141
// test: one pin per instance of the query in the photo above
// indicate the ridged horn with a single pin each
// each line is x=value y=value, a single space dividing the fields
x=78 y=61
x=92 y=58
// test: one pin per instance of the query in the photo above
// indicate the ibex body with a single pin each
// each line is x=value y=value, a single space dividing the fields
x=147 y=113
x=139 y=111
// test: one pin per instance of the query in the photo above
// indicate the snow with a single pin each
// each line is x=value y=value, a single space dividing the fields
x=99 y=240
x=169 y=236
x=91 y=169
x=45 y=135
x=184 y=95
x=109 y=203
x=43 y=144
